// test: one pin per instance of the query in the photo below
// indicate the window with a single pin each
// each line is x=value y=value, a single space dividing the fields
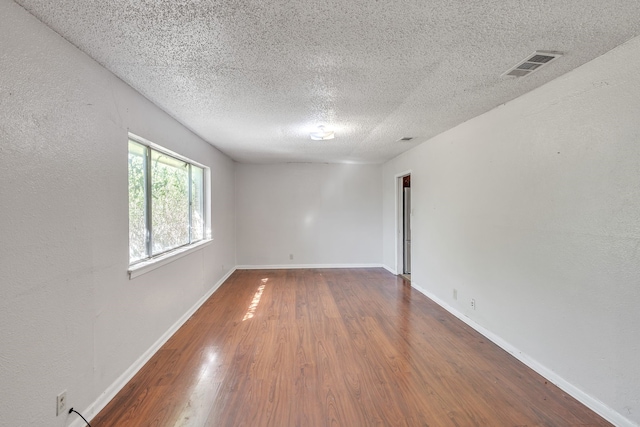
x=166 y=201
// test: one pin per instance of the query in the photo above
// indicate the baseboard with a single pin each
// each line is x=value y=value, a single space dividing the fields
x=298 y=266
x=119 y=383
x=590 y=402
x=390 y=270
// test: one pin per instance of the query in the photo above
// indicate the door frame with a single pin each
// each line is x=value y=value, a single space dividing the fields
x=399 y=220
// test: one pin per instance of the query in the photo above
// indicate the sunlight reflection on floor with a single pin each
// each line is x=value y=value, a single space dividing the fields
x=255 y=301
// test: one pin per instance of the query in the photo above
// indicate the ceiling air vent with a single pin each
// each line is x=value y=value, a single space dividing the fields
x=532 y=63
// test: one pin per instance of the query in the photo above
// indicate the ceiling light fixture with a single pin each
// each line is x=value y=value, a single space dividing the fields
x=322 y=134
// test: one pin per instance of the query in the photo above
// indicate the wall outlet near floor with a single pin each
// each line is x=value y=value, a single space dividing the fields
x=473 y=304
x=290 y=256
x=61 y=403
x=455 y=294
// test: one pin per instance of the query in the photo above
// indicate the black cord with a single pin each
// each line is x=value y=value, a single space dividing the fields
x=85 y=420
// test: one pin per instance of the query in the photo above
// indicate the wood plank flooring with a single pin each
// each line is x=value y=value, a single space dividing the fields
x=325 y=347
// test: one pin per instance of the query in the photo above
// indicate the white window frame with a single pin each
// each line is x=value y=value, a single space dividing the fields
x=152 y=262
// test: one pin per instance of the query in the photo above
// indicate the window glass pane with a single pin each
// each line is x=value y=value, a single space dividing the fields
x=197 y=200
x=169 y=202
x=137 y=202
x=166 y=202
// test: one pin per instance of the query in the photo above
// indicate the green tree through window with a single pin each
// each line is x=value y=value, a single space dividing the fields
x=166 y=202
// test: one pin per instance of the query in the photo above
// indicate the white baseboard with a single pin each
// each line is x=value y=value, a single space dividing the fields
x=592 y=403
x=390 y=270
x=298 y=266
x=119 y=383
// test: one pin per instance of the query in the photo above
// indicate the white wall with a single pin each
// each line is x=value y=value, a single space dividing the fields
x=69 y=316
x=323 y=214
x=533 y=209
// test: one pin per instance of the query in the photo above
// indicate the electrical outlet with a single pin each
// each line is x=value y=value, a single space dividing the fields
x=290 y=256
x=61 y=403
x=455 y=294
x=473 y=304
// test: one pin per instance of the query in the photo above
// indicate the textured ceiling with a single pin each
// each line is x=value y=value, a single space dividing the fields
x=254 y=77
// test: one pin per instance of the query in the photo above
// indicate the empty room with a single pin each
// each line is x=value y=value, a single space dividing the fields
x=306 y=213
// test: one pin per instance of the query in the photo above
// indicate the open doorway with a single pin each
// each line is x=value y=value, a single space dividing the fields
x=403 y=235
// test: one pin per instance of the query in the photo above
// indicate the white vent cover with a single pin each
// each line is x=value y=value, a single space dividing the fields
x=532 y=63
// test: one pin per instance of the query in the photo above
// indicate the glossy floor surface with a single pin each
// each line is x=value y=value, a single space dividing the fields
x=344 y=347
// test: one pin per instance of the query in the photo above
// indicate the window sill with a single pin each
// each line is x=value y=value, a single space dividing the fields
x=152 y=264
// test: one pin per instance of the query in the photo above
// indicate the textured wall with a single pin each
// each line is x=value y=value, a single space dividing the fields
x=69 y=316
x=320 y=213
x=533 y=209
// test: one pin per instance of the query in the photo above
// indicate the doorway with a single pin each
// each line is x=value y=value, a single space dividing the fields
x=404 y=216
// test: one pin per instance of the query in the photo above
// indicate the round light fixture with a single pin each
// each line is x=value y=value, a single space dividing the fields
x=322 y=134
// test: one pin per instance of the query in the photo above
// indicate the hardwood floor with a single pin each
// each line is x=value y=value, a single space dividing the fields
x=343 y=347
